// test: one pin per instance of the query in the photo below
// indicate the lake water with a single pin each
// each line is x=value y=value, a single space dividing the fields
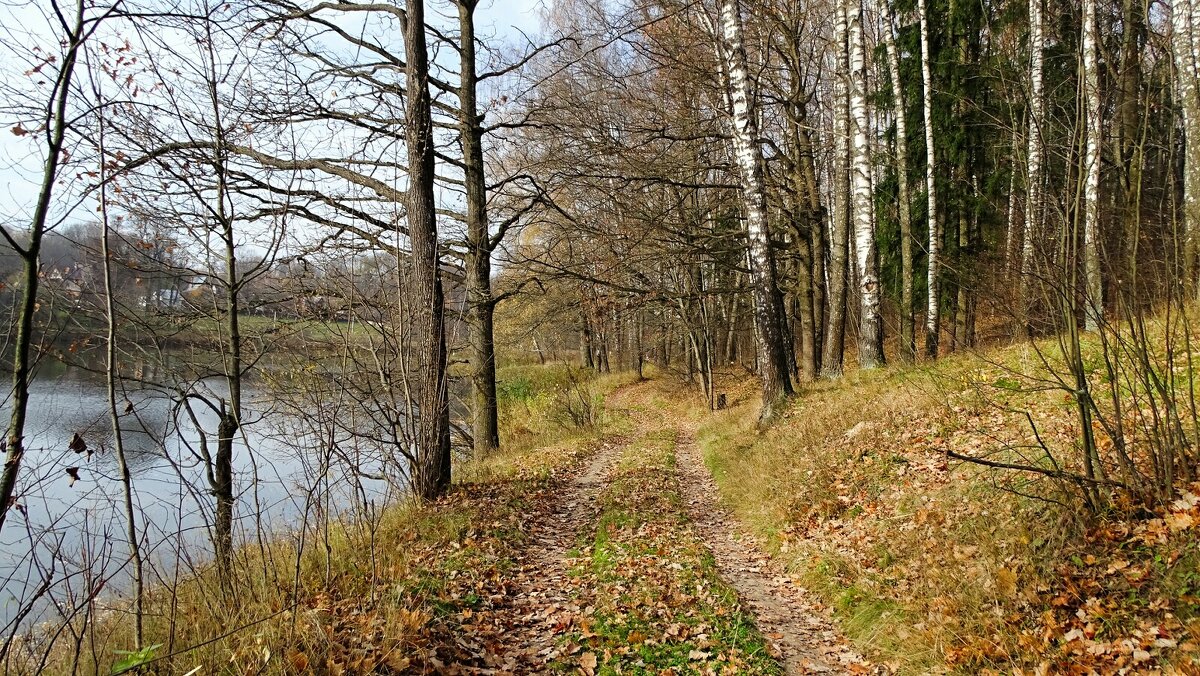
x=73 y=533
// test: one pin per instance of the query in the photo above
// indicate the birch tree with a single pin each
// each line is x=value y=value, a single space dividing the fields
x=773 y=367
x=870 y=328
x=1033 y=172
x=1093 y=128
x=932 y=325
x=1187 y=76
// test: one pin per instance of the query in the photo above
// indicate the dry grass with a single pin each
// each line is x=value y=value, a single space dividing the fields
x=932 y=564
x=360 y=597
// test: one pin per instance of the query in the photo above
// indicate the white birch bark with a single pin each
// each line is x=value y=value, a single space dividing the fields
x=1185 y=17
x=1012 y=237
x=1033 y=178
x=870 y=333
x=932 y=327
x=1093 y=127
x=772 y=358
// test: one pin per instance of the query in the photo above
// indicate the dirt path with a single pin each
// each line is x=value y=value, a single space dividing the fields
x=540 y=595
x=540 y=601
x=797 y=626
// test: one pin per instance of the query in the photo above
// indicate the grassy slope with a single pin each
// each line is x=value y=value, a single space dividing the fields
x=933 y=564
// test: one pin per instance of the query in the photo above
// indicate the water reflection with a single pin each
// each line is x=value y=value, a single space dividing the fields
x=67 y=528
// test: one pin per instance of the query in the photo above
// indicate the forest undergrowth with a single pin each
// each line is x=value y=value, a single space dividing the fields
x=933 y=564
x=930 y=564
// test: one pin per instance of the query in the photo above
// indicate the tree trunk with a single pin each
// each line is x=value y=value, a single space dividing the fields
x=22 y=365
x=933 y=276
x=835 y=336
x=1128 y=142
x=870 y=326
x=908 y=344
x=776 y=380
x=585 y=342
x=430 y=476
x=1187 y=68
x=222 y=488
x=602 y=353
x=1093 y=302
x=964 y=304
x=231 y=414
x=1033 y=181
x=1013 y=230
x=805 y=324
x=485 y=426
x=810 y=223
x=112 y=377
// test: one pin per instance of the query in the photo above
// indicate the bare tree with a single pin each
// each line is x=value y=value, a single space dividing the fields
x=485 y=429
x=432 y=474
x=113 y=376
x=51 y=119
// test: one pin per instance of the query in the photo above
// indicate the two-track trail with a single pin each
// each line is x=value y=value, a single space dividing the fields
x=615 y=575
x=796 y=624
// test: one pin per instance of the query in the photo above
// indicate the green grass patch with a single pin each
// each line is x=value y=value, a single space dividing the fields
x=659 y=602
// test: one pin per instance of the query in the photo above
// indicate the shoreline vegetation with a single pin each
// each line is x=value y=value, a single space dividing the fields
x=206 y=333
x=350 y=599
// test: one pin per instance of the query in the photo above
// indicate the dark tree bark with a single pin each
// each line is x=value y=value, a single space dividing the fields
x=839 y=258
x=485 y=426
x=22 y=367
x=431 y=475
x=586 y=359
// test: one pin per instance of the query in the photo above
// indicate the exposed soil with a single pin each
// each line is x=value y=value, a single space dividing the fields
x=540 y=603
x=796 y=624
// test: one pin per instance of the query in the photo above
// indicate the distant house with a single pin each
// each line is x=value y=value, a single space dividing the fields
x=163 y=299
x=69 y=280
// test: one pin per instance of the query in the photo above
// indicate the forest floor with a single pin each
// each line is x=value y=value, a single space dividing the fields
x=624 y=528
x=663 y=538
x=629 y=566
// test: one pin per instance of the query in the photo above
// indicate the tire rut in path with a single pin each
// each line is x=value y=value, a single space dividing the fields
x=541 y=593
x=793 y=622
